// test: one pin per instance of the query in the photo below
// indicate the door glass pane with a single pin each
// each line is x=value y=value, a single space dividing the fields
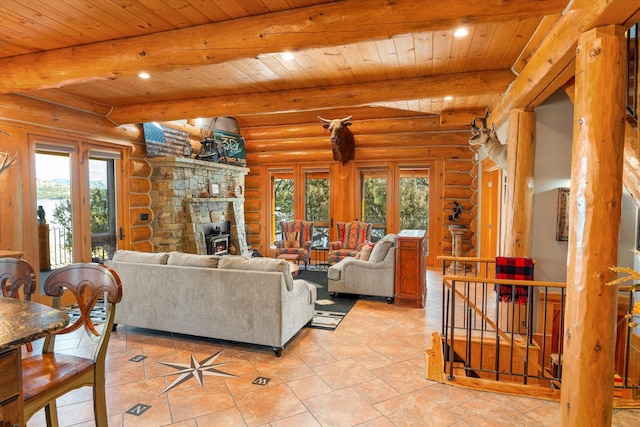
x=102 y=209
x=317 y=206
x=414 y=200
x=282 y=197
x=53 y=184
x=373 y=201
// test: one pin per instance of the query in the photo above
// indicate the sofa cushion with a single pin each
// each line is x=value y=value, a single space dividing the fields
x=258 y=264
x=141 y=257
x=193 y=260
x=380 y=250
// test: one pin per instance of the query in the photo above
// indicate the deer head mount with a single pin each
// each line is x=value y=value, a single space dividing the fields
x=342 y=142
x=488 y=140
x=6 y=161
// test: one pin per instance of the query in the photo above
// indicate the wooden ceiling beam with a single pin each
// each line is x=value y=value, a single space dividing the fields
x=23 y=109
x=557 y=51
x=359 y=126
x=453 y=139
x=462 y=84
x=331 y=24
x=460 y=117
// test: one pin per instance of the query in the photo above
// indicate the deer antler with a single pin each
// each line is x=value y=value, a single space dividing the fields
x=6 y=161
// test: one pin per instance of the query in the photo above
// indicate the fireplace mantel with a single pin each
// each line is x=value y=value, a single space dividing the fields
x=178 y=190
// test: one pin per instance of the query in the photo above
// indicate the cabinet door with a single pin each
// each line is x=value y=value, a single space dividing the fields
x=410 y=290
x=10 y=386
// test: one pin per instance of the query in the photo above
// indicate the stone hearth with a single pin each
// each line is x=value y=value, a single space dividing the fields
x=180 y=203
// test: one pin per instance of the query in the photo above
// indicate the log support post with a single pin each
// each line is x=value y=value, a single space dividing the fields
x=519 y=197
x=595 y=209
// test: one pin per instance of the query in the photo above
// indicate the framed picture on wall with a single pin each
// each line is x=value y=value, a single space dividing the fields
x=562 y=221
x=214 y=189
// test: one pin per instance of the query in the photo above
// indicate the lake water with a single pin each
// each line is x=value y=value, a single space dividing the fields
x=49 y=206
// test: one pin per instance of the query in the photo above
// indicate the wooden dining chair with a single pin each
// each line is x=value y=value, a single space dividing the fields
x=16 y=274
x=49 y=375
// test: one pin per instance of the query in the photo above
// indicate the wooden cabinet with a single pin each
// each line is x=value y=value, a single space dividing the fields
x=411 y=274
x=10 y=389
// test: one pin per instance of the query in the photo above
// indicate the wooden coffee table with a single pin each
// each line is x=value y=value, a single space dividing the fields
x=292 y=259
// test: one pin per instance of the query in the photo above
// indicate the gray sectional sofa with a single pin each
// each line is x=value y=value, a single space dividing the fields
x=250 y=300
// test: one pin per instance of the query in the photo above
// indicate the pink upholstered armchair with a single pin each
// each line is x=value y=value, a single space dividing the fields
x=351 y=237
x=296 y=240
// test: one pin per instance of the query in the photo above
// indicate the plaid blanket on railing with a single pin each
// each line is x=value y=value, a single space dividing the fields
x=515 y=269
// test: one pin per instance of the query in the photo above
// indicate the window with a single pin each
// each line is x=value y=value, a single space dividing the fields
x=55 y=208
x=282 y=196
x=414 y=199
x=102 y=205
x=76 y=200
x=316 y=202
x=373 y=201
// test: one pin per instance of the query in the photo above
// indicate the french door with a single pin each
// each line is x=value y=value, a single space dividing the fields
x=76 y=190
x=395 y=196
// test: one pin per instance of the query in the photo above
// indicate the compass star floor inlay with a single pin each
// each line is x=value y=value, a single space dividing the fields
x=196 y=369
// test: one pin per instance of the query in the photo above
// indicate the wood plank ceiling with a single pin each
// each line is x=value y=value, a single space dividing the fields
x=224 y=57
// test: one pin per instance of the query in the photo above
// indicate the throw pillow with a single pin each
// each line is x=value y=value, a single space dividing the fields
x=291 y=240
x=193 y=260
x=141 y=257
x=379 y=251
x=258 y=264
x=365 y=253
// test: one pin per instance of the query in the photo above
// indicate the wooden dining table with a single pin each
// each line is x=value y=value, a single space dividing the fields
x=21 y=322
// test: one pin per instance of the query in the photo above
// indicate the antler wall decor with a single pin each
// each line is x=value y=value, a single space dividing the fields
x=6 y=160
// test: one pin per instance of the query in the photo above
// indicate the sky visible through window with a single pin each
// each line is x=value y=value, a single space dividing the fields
x=50 y=167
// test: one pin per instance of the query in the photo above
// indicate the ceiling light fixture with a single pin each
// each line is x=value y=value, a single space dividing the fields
x=448 y=98
x=287 y=56
x=460 y=32
x=144 y=75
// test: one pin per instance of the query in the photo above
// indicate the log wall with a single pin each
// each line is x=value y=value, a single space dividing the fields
x=404 y=139
x=385 y=142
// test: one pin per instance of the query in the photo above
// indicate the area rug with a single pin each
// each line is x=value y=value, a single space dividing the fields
x=98 y=313
x=329 y=310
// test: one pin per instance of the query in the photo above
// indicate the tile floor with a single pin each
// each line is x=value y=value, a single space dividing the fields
x=368 y=372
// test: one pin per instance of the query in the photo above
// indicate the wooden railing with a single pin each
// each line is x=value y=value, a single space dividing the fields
x=517 y=348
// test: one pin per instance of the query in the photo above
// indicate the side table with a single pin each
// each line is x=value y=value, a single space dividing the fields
x=292 y=259
x=320 y=256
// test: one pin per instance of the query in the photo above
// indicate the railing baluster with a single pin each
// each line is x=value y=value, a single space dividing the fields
x=476 y=298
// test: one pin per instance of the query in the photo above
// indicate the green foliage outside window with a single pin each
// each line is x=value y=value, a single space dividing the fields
x=98 y=213
x=414 y=203
x=375 y=200
x=317 y=203
x=283 y=195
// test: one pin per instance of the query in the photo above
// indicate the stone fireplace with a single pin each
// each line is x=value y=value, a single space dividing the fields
x=182 y=204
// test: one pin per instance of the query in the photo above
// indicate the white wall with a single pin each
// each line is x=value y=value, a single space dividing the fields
x=552 y=170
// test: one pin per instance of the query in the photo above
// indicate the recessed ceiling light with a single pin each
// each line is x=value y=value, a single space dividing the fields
x=461 y=32
x=144 y=75
x=448 y=98
x=287 y=56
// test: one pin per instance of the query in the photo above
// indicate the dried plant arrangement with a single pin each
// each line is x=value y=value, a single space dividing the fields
x=632 y=275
